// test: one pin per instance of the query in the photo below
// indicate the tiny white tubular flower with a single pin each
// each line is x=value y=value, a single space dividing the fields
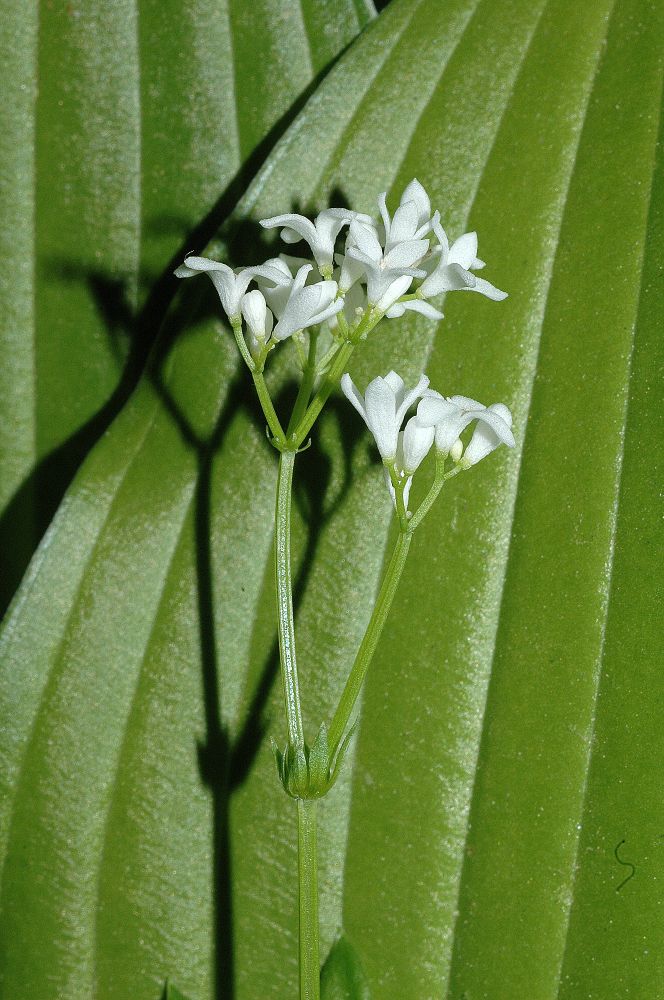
x=320 y=234
x=383 y=268
x=489 y=434
x=398 y=288
x=306 y=305
x=259 y=321
x=351 y=270
x=451 y=415
x=276 y=293
x=230 y=286
x=413 y=447
x=416 y=193
x=411 y=221
x=452 y=271
x=383 y=408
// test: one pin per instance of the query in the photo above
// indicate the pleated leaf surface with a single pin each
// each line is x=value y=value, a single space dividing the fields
x=505 y=779
x=127 y=124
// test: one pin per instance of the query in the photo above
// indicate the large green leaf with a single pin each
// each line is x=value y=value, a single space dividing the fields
x=506 y=747
x=125 y=124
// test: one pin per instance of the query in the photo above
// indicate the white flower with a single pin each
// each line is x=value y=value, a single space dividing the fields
x=411 y=220
x=276 y=293
x=413 y=446
x=383 y=268
x=383 y=408
x=453 y=268
x=393 y=292
x=231 y=286
x=416 y=193
x=320 y=234
x=451 y=415
x=259 y=321
x=351 y=270
x=306 y=305
x=488 y=434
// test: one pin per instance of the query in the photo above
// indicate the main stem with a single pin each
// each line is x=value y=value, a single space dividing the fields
x=308 y=899
x=370 y=641
x=306 y=808
x=285 y=624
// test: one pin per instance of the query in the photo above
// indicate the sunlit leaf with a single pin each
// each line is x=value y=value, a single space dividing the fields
x=509 y=742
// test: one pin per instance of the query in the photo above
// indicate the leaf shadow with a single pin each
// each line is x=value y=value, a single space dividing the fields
x=132 y=334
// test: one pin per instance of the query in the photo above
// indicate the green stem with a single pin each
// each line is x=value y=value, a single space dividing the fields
x=306 y=385
x=308 y=899
x=268 y=407
x=440 y=479
x=330 y=382
x=285 y=624
x=343 y=324
x=370 y=641
x=329 y=356
x=236 y=324
x=398 y=488
x=259 y=381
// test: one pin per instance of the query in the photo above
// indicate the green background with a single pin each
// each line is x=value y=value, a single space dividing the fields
x=506 y=776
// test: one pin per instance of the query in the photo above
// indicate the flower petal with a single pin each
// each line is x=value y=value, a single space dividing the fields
x=395 y=382
x=415 y=444
x=384 y=214
x=307 y=306
x=486 y=288
x=493 y=429
x=296 y=223
x=415 y=192
x=449 y=429
x=352 y=393
x=196 y=265
x=466 y=403
x=351 y=271
x=254 y=310
x=380 y=406
x=406 y=254
x=411 y=396
x=404 y=224
x=415 y=305
x=443 y=241
x=464 y=250
x=432 y=409
x=396 y=289
x=365 y=238
x=447 y=278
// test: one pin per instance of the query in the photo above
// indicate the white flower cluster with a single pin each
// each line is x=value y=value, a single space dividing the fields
x=374 y=274
x=438 y=419
x=388 y=265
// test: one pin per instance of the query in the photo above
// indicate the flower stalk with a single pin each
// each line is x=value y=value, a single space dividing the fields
x=365 y=653
x=389 y=266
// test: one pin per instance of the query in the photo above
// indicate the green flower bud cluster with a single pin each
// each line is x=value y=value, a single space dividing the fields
x=309 y=772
